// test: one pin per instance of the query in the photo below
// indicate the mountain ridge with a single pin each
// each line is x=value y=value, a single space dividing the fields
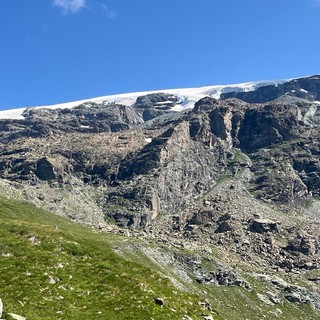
x=128 y=99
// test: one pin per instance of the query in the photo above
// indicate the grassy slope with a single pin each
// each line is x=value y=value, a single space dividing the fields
x=91 y=281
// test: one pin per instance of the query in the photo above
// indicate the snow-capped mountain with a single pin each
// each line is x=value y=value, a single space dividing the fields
x=186 y=97
x=223 y=195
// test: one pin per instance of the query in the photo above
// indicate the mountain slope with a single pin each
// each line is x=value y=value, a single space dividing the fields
x=222 y=199
x=54 y=269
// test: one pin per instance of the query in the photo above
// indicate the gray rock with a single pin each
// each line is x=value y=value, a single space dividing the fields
x=224 y=226
x=302 y=244
x=159 y=301
x=16 y=316
x=228 y=278
x=264 y=299
x=45 y=170
x=155 y=100
x=263 y=225
x=273 y=297
x=297 y=297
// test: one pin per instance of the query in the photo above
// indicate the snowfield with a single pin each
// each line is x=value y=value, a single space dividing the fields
x=187 y=97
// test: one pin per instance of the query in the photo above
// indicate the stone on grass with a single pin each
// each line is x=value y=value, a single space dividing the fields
x=16 y=316
x=159 y=301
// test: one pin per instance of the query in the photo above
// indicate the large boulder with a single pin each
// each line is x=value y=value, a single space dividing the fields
x=45 y=170
x=263 y=225
x=302 y=244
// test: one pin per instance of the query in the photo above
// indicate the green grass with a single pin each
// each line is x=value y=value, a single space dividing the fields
x=239 y=156
x=52 y=268
x=88 y=280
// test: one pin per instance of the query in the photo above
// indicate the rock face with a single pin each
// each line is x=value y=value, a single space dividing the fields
x=185 y=158
x=45 y=170
x=155 y=105
x=305 y=88
x=85 y=118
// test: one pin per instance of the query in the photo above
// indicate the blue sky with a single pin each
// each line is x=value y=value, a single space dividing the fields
x=56 y=51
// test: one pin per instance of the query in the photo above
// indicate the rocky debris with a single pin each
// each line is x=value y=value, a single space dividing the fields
x=253 y=237
x=206 y=305
x=296 y=296
x=292 y=293
x=229 y=278
x=269 y=298
x=128 y=220
x=223 y=276
x=202 y=217
x=302 y=243
x=34 y=241
x=52 y=280
x=189 y=267
x=316 y=279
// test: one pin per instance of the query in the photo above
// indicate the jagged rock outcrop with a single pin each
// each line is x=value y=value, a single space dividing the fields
x=85 y=118
x=183 y=160
x=155 y=104
x=45 y=170
x=306 y=88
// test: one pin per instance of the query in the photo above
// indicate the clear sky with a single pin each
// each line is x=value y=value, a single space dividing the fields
x=56 y=51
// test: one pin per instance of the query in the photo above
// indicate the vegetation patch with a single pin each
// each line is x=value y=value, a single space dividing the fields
x=52 y=268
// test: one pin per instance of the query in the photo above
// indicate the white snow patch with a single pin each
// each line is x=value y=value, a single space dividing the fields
x=187 y=97
x=148 y=140
x=12 y=114
x=164 y=102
